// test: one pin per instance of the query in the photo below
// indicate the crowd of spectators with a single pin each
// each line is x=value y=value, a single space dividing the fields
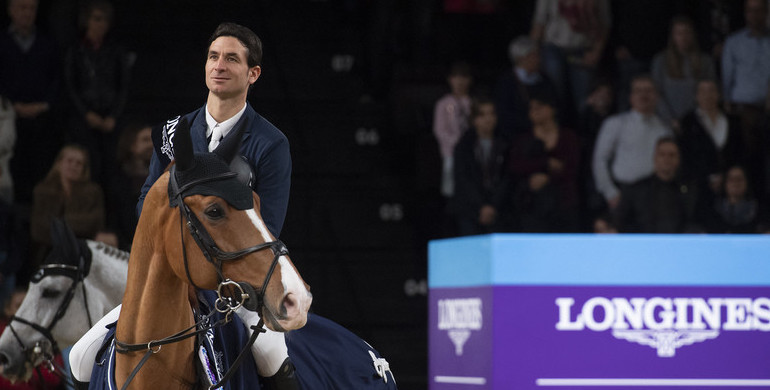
x=613 y=115
x=66 y=150
x=618 y=116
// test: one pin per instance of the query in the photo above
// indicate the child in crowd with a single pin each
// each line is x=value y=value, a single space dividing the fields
x=450 y=121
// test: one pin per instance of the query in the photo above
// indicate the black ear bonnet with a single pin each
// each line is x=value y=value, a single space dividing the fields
x=211 y=176
x=66 y=250
x=241 y=167
x=209 y=173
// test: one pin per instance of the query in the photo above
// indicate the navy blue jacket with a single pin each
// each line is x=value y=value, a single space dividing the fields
x=264 y=146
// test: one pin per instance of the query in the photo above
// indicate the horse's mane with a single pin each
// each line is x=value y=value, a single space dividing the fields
x=89 y=248
x=108 y=250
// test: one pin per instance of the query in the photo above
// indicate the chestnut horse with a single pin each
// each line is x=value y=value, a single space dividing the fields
x=201 y=228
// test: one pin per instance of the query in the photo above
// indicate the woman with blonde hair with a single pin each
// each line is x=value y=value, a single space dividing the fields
x=677 y=69
x=67 y=192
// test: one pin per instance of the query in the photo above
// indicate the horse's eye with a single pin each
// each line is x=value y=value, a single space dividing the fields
x=214 y=211
x=50 y=293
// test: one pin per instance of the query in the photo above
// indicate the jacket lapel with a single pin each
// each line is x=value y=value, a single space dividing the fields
x=198 y=132
x=252 y=116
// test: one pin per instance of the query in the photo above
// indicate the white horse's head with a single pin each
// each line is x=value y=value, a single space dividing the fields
x=54 y=311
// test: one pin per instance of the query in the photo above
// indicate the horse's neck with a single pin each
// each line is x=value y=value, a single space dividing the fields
x=154 y=295
x=155 y=306
x=106 y=280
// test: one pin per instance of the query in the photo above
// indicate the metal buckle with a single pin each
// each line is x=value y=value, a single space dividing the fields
x=230 y=303
x=149 y=347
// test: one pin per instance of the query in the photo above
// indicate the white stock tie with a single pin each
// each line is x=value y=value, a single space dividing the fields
x=216 y=136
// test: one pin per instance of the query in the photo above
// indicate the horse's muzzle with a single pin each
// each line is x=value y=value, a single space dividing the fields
x=291 y=312
x=15 y=366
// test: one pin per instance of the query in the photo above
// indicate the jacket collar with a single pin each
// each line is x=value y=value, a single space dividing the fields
x=199 y=126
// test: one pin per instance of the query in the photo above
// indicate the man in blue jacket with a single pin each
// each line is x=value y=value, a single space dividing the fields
x=232 y=66
x=327 y=356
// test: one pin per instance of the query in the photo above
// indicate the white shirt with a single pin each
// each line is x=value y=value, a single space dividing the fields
x=527 y=78
x=557 y=30
x=25 y=41
x=625 y=150
x=224 y=126
x=716 y=129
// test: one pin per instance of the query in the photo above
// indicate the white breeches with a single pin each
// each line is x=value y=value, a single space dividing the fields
x=269 y=350
x=83 y=353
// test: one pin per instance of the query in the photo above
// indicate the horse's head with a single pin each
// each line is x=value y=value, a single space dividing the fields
x=225 y=237
x=48 y=313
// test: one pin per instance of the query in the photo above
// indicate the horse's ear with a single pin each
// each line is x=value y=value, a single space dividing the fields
x=230 y=145
x=58 y=232
x=183 y=148
x=63 y=237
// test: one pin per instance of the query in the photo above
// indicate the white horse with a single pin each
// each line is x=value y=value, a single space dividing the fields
x=79 y=282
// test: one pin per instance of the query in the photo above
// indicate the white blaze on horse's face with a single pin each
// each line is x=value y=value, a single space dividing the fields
x=296 y=298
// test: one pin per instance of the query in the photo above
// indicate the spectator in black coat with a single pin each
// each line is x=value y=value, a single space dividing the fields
x=480 y=174
x=545 y=165
x=736 y=210
x=661 y=202
x=29 y=69
x=515 y=87
x=710 y=140
x=599 y=105
x=96 y=72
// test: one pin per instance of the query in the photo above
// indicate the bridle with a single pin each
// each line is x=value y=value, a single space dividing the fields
x=246 y=295
x=78 y=275
x=216 y=256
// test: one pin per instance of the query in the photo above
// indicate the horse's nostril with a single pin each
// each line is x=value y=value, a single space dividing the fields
x=4 y=361
x=289 y=301
x=289 y=305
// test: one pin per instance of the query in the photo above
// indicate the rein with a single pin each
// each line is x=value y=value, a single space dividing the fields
x=182 y=335
x=179 y=336
x=247 y=297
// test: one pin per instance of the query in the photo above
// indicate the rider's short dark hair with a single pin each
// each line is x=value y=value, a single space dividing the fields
x=248 y=39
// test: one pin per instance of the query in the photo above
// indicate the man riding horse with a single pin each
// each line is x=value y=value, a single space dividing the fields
x=233 y=65
x=326 y=355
